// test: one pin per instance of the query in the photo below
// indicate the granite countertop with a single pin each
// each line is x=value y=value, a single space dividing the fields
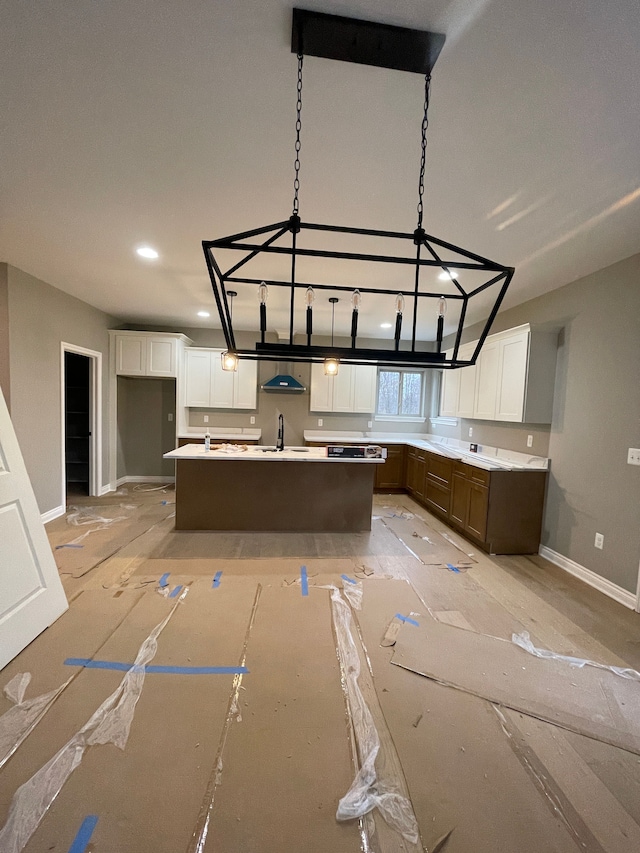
x=260 y=454
x=487 y=458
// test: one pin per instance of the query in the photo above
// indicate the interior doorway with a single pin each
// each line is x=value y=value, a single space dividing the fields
x=81 y=419
x=77 y=423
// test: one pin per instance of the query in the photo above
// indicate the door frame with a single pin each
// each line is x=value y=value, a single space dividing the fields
x=95 y=418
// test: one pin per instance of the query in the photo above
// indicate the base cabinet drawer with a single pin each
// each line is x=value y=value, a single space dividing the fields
x=438 y=497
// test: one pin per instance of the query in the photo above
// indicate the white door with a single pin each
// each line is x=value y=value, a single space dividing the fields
x=198 y=378
x=321 y=399
x=222 y=382
x=467 y=384
x=32 y=596
x=343 y=388
x=364 y=388
x=131 y=355
x=161 y=357
x=486 y=382
x=449 y=391
x=512 y=377
x=245 y=385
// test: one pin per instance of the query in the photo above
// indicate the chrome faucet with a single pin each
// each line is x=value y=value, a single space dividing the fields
x=280 y=440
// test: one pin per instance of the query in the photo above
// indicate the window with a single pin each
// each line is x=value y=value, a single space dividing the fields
x=400 y=394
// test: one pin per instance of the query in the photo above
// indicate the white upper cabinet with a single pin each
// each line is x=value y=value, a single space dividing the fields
x=208 y=386
x=466 y=383
x=512 y=381
x=486 y=381
x=353 y=389
x=449 y=391
x=147 y=353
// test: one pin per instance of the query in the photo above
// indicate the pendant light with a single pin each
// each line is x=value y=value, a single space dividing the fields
x=474 y=285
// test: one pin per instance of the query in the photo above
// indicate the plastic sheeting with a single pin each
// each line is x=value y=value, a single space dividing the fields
x=109 y=724
x=20 y=720
x=524 y=641
x=367 y=791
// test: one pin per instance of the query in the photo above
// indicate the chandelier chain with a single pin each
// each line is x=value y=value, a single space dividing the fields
x=296 y=163
x=425 y=125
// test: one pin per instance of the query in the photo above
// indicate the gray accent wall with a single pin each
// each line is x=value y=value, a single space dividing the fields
x=40 y=318
x=596 y=418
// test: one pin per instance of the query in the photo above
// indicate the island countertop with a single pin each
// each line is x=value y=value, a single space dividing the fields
x=255 y=453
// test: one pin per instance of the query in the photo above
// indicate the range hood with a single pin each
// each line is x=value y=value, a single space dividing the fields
x=285 y=384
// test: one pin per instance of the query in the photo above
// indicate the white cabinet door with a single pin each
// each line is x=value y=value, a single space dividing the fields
x=449 y=390
x=343 y=388
x=486 y=381
x=365 y=379
x=131 y=355
x=198 y=378
x=222 y=382
x=321 y=390
x=467 y=384
x=161 y=357
x=512 y=377
x=245 y=385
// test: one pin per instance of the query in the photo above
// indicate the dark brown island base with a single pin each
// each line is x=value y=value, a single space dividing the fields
x=257 y=489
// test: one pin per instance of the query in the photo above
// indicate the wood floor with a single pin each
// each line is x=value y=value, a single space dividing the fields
x=254 y=751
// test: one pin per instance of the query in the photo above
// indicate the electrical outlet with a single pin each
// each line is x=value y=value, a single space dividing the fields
x=633 y=457
x=170 y=416
x=369 y=424
x=252 y=419
x=206 y=419
x=599 y=543
x=320 y=421
x=529 y=441
x=470 y=431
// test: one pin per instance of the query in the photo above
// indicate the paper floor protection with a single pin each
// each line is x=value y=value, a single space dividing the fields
x=593 y=702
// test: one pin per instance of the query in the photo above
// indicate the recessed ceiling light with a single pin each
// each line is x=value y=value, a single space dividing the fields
x=446 y=276
x=385 y=325
x=147 y=252
x=203 y=314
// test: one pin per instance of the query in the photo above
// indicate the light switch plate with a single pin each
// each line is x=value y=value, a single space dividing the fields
x=320 y=421
x=252 y=419
x=170 y=416
x=599 y=543
x=633 y=457
x=529 y=441
x=206 y=419
x=470 y=431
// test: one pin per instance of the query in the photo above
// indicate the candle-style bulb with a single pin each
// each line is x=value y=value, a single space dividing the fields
x=442 y=306
x=309 y=297
x=356 y=300
x=263 y=293
x=399 y=303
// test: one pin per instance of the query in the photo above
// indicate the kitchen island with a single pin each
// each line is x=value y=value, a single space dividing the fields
x=258 y=488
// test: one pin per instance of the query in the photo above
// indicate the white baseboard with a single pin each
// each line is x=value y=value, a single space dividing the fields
x=622 y=596
x=104 y=490
x=149 y=479
x=56 y=512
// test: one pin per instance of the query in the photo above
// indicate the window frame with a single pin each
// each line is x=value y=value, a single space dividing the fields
x=416 y=418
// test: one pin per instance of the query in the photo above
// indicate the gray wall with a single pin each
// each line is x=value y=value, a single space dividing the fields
x=40 y=318
x=4 y=335
x=144 y=429
x=596 y=418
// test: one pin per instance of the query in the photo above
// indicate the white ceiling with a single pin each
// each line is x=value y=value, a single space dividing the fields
x=166 y=123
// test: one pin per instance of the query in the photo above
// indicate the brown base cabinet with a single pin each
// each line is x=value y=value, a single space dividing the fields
x=499 y=511
x=391 y=474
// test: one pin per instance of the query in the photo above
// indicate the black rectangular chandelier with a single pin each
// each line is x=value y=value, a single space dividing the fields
x=286 y=267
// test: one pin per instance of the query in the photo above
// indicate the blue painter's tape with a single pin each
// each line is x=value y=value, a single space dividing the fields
x=87 y=663
x=163 y=503
x=304 y=581
x=216 y=580
x=452 y=568
x=348 y=579
x=407 y=619
x=175 y=591
x=69 y=545
x=84 y=834
x=164 y=579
